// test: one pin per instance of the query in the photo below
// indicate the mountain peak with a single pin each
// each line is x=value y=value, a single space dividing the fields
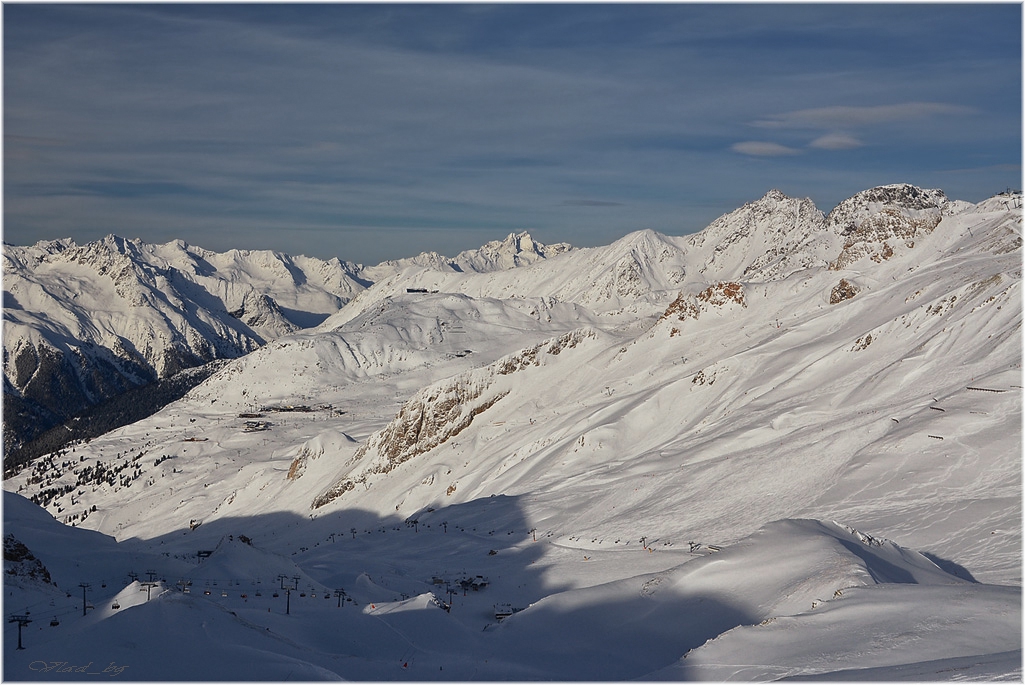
x=763 y=237
x=775 y=195
x=902 y=197
x=875 y=221
x=517 y=249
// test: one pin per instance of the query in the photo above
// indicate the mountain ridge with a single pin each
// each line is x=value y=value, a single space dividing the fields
x=84 y=323
x=634 y=461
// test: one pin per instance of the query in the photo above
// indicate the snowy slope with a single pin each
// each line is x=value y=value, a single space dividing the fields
x=647 y=467
x=85 y=323
x=633 y=277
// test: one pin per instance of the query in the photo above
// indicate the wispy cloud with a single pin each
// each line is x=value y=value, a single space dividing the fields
x=1012 y=168
x=210 y=122
x=758 y=148
x=836 y=141
x=849 y=117
x=833 y=124
x=590 y=203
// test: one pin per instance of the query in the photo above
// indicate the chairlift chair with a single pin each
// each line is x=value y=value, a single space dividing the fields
x=54 y=623
x=115 y=606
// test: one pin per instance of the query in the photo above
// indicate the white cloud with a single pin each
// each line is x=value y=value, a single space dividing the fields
x=836 y=141
x=763 y=149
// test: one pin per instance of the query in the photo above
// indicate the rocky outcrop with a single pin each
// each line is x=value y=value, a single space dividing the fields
x=718 y=295
x=430 y=419
x=516 y=250
x=876 y=222
x=721 y=294
x=440 y=412
x=258 y=311
x=769 y=238
x=844 y=290
x=21 y=564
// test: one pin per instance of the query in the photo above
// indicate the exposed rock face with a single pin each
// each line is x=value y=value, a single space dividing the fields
x=20 y=563
x=684 y=307
x=260 y=311
x=532 y=356
x=844 y=290
x=862 y=343
x=847 y=215
x=439 y=413
x=877 y=221
x=717 y=295
x=765 y=239
x=298 y=465
x=518 y=249
x=423 y=423
x=721 y=294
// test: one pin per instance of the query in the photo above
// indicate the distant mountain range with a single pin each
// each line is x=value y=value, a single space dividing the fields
x=83 y=324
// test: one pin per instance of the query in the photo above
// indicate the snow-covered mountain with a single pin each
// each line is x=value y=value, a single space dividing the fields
x=85 y=323
x=517 y=249
x=626 y=281
x=788 y=446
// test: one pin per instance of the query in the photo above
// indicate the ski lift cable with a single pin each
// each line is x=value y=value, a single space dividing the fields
x=397 y=632
x=66 y=611
x=45 y=602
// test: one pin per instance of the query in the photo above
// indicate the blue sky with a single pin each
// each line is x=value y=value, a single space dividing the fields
x=376 y=131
